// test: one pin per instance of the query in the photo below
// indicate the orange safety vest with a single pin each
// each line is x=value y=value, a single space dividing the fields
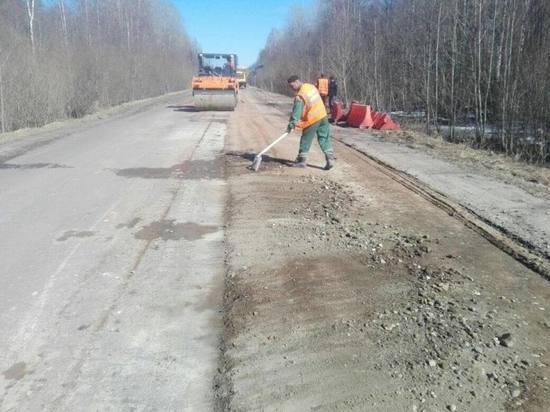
x=314 y=108
x=322 y=85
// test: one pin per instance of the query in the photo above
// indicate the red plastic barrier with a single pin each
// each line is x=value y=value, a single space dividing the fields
x=383 y=121
x=377 y=119
x=359 y=115
x=390 y=124
x=337 y=112
x=349 y=108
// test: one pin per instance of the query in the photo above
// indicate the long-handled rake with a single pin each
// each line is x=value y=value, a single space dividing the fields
x=258 y=158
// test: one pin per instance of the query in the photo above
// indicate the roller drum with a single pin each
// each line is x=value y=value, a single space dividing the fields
x=215 y=99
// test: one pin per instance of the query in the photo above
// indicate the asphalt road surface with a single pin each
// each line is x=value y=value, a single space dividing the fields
x=112 y=264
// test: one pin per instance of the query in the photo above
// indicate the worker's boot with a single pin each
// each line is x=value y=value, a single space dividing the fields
x=329 y=156
x=300 y=162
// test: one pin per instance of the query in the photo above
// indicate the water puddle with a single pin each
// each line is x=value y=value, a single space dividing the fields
x=16 y=371
x=168 y=229
x=190 y=169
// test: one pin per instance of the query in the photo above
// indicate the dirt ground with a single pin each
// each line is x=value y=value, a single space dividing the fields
x=347 y=291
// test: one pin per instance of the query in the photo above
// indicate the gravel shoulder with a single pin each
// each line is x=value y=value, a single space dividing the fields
x=347 y=291
x=511 y=196
x=505 y=205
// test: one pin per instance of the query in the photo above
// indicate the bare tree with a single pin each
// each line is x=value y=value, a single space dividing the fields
x=467 y=62
x=3 y=61
x=30 y=14
x=69 y=58
x=63 y=23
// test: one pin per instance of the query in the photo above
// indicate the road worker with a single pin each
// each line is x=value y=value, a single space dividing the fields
x=322 y=86
x=310 y=115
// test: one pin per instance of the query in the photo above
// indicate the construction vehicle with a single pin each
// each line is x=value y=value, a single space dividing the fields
x=241 y=78
x=216 y=87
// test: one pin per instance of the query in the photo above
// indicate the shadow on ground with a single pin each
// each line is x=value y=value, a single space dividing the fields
x=266 y=159
x=184 y=108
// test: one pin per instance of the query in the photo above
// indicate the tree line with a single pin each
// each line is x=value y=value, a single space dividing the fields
x=67 y=58
x=478 y=63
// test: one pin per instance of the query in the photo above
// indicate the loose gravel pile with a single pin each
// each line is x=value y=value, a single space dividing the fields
x=450 y=337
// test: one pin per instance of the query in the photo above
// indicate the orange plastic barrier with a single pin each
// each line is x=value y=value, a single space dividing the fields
x=359 y=115
x=337 y=113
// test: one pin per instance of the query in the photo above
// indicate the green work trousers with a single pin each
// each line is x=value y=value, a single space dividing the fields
x=321 y=129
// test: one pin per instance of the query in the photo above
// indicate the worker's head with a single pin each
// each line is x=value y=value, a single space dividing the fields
x=322 y=76
x=332 y=78
x=294 y=83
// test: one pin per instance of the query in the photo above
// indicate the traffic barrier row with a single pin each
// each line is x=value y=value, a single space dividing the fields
x=362 y=116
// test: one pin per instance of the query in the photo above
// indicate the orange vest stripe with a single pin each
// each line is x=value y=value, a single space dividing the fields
x=314 y=108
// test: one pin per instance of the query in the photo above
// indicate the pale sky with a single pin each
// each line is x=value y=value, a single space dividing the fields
x=238 y=26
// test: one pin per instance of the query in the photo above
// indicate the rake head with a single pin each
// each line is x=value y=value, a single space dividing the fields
x=256 y=163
